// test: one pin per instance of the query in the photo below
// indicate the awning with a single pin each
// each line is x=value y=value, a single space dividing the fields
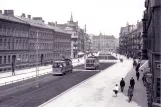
x=80 y=53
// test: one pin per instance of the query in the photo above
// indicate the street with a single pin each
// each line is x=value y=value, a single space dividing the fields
x=25 y=94
x=98 y=90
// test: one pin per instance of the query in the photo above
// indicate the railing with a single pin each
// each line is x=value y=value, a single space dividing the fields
x=22 y=79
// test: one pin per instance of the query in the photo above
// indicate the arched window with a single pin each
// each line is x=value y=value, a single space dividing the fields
x=9 y=44
x=20 y=44
x=17 y=44
x=12 y=44
x=5 y=43
x=1 y=43
x=23 y=44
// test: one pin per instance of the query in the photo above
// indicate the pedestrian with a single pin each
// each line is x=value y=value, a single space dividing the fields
x=13 y=69
x=122 y=84
x=132 y=82
x=130 y=93
x=138 y=65
x=137 y=75
x=116 y=90
x=134 y=63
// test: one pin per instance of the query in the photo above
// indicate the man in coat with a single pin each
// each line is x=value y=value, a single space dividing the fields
x=122 y=84
x=132 y=82
x=137 y=75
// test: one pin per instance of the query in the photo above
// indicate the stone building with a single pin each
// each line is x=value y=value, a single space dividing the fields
x=77 y=38
x=152 y=35
x=23 y=38
x=14 y=34
x=123 y=38
x=104 y=43
x=134 y=41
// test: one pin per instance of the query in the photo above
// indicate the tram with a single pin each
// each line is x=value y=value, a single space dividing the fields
x=92 y=62
x=62 y=67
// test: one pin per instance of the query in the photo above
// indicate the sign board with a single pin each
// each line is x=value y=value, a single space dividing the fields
x=158 y=66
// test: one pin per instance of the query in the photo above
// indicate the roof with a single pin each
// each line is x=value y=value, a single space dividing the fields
x=57 y=29
x=32 y=22
x=12 y=18
x=93 y=56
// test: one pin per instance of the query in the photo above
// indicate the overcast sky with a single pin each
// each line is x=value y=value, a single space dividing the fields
x=106 y=16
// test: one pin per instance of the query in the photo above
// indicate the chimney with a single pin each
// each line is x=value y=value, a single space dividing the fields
x=37 y=18
x=23 y=15
x=9 y=12
x=0 y=11
x=49 y=23
x=29 y=16
x=55 y=23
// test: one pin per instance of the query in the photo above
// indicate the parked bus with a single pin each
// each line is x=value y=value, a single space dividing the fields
x=92 y=62
x=62 y=66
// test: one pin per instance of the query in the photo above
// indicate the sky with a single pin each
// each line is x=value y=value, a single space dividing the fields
x=105 y=16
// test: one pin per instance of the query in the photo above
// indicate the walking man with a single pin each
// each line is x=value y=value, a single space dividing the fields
x=132 y=83
x=130 y=93
x=13 y=68
x=137 y=75
x=122 y=84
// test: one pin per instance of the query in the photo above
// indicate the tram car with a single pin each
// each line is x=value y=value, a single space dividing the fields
x=92 y=62
x=62 y=67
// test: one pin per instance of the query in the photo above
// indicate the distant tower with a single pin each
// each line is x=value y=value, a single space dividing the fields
x=85 y=28
x=71 y=18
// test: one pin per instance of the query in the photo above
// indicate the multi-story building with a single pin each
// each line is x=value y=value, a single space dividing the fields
x=104 y=43
x=123 y=39
x=78 y=37
x=24 y=42
x=14 y=35
x=134 y=41
x=152 y=33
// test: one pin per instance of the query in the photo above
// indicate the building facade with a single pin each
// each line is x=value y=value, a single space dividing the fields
x=131 y=40
x=134 y=41
x=104 y=43
x=123 y=39
x=78 y=38
x=26 y=42
x=152 y=35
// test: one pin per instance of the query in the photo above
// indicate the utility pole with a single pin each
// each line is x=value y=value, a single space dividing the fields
x=37 y=62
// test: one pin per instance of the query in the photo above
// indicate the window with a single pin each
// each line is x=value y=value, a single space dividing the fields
x=0 y=29
x=5 y=43
x=158 y=88
x=0 y=59
x=0 y=42
x=9 y=59
x=9 y=46
x=4 y=59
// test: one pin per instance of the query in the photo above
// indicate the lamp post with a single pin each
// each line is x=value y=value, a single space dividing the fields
x=37 y=62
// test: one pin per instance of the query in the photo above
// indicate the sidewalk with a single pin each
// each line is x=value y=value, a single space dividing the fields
x=21 y=74
x=97 y=91
x=29 y=70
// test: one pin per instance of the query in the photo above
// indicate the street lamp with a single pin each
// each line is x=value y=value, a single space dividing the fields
x=37 y=62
